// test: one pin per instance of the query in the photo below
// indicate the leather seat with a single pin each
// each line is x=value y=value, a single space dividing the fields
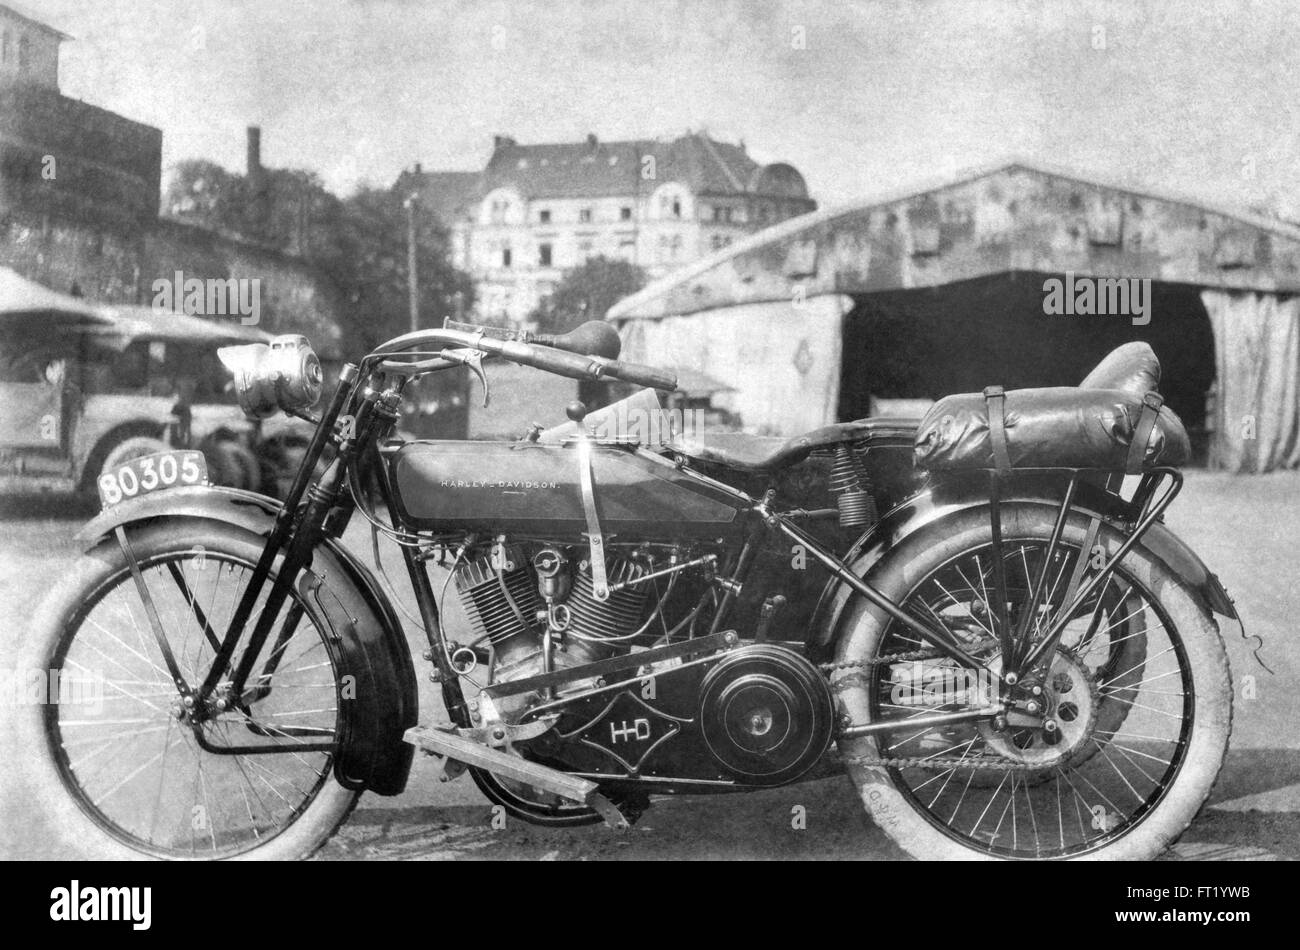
x=1115 y=421
x=759 y=453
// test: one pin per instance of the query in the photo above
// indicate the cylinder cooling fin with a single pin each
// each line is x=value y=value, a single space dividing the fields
x=500 y=603
x=618 y=615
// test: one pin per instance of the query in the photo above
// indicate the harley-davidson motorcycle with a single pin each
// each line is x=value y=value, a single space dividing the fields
x=980 y=618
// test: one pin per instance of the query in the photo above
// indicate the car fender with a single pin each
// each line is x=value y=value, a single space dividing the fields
x=364 y=628
x=950 y=497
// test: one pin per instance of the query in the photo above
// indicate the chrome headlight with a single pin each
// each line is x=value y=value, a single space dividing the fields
x=283 y=374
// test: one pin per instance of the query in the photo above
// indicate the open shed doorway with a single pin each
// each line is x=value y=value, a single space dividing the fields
x=961 y=337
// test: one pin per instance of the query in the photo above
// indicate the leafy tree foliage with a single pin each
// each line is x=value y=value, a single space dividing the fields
x=586 y=292
x=360 y=241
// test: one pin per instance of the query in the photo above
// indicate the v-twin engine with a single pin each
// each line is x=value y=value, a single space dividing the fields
x=511 y=596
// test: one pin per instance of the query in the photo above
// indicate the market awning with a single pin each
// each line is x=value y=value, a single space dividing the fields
x=26 y=305
x=129 y=324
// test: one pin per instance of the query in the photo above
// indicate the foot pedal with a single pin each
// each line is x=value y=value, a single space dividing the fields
x=459 y=749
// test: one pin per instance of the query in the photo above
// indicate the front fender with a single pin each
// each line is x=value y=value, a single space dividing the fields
x=364 y=627
x=946 y=498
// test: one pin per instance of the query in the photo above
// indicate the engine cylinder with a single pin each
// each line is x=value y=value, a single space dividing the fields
x=490 y=611
x=620 y=614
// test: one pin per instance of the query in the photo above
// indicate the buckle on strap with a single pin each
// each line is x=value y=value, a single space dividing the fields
x=1137 y=448
x=995 y=399
x=595 y=540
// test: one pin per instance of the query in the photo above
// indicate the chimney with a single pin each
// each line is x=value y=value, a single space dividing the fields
x=254 y=161
x=256 y=176
x=419 y=169
x=501 y=141
x=591 y=141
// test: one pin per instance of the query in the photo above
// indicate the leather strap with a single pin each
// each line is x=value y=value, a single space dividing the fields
x=995 y=398
x=1137 y=449
x=595 y=540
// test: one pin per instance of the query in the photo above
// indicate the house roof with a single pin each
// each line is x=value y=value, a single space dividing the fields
x=450 y=196
x=596 y=169
x=32 y=21
x=593 y=168
x=1016 y=215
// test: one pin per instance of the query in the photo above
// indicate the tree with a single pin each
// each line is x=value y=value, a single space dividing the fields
x=587 y=292
x=359 y=241
x=371 y=267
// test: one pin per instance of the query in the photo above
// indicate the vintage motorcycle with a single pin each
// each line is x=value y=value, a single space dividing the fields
x=981 y=618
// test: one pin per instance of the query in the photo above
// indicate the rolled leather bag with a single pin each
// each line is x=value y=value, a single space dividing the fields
x=1132 y=367
x=1063 y=426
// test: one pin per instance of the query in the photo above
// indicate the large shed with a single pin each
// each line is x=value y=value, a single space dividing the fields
x=995 y=276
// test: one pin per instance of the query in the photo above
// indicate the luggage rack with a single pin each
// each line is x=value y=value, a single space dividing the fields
x=1147 y=506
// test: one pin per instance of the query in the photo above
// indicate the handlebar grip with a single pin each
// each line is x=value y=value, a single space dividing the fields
x=552 y=361
x=641 y=375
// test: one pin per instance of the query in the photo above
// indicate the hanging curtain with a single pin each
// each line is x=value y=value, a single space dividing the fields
x=1256 y=416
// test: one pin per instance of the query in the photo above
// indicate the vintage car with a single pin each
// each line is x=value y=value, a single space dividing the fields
x=85 y=387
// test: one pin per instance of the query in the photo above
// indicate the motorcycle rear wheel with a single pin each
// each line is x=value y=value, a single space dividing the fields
x=1127 y=792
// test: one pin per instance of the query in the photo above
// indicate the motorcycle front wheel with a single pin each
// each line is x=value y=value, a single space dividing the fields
x=121 y=768
x=1138 y=733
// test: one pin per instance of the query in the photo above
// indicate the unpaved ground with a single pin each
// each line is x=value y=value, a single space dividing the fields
x=1245 y=528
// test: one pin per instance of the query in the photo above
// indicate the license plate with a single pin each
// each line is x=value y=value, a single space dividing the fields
x=151 y=473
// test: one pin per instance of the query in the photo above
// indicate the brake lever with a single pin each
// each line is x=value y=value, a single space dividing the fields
x=474 y=360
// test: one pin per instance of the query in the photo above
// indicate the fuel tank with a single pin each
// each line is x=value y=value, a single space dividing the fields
x=535 y=488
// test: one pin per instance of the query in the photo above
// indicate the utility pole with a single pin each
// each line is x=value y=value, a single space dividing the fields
x=412 y=276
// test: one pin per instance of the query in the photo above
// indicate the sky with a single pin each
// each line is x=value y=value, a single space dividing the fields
x=1194 y=96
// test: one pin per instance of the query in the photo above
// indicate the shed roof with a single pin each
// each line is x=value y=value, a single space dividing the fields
x=1016 y=215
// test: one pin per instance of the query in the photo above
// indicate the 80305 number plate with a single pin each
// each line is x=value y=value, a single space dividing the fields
x=151 y=473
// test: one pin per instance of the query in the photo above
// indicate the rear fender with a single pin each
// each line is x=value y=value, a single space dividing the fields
x=365 y=630
x=951 y=496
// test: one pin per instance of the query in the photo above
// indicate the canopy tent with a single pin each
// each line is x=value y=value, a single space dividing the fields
x=780 y=316
x=146 y=323
x=26 y=304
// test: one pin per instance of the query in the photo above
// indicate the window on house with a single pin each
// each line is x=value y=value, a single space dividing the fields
x=584 y=215
x=677 y=207
x=625 y=214
x=24 y=52
x=5 y=46
x=544 y=255
x=544 y=216
x=505 y=257
x=584 y=249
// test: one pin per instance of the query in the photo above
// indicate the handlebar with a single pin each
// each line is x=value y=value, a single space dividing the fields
x=570 y=365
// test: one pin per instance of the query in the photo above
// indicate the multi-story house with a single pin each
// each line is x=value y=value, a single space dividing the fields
x=536 y=211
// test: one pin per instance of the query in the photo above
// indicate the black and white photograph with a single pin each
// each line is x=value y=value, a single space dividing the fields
x=651 y=431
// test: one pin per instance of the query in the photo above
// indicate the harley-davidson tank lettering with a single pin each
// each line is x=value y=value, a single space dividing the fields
x=980 y=619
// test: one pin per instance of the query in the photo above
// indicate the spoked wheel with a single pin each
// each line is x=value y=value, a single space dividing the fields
x=142 y=770
x=1135 y=702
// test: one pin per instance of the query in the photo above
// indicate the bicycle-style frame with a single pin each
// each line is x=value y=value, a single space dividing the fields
x=361 y=414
